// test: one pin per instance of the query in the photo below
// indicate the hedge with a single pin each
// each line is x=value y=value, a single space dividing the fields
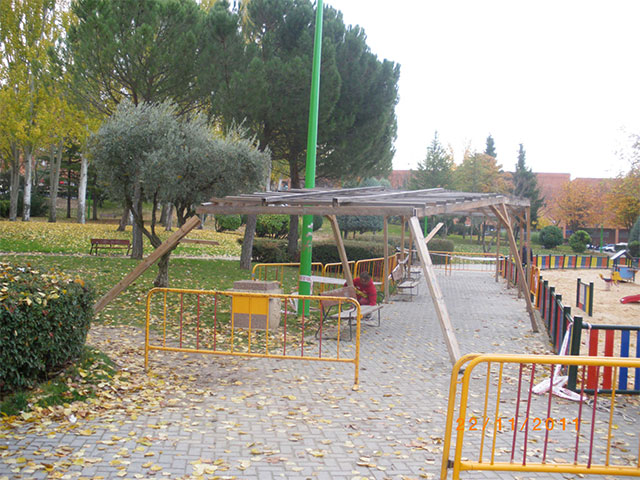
x=44 y=320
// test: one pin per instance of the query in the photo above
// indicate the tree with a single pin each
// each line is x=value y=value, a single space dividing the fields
x=140 y=50
x=479 y=173
x=436 y=170
x=266 y=82
x=577 y=205
x=145 y=151
x=551 y=236
x=579 y=240
x=490 y=149
x=623 y=199
x=29 y=31
x=362 y=223
x=525 y=184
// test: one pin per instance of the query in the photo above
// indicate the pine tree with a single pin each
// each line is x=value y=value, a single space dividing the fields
x=491 y=147
x=525 y=184
x=436 y=170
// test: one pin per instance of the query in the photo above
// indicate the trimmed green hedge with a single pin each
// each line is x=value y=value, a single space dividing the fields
x=44 y=320
x=440 y=245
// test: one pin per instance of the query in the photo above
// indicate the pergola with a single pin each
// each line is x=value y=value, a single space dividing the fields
x=378 y=201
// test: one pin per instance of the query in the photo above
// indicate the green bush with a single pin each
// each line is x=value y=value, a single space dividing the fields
x=634 y=248
x=272 y=226
x=360 y=224
x=440 y=245
x=227 y=223
x=318 y=220
x=579 y=240
x=44 y=320
x=39 y=205
x=551 y=236
x=356 y=250
x=269 y=251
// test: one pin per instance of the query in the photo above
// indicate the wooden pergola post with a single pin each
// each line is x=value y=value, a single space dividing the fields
x=404 y=220
x=385 y=270
x=434 y=289
x=501 y=212
x=498 y=228
x=341 y=251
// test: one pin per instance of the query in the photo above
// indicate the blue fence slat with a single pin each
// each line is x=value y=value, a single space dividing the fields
x=624 y=352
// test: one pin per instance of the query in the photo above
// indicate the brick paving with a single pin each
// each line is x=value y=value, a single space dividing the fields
x=272 y=419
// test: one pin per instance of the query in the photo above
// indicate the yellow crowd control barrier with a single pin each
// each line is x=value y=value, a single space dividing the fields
x=252 y=325
x=275 y=271
x=509 y=420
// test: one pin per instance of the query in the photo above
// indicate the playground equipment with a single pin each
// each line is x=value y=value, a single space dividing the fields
x=630 y=299
x=608 y=281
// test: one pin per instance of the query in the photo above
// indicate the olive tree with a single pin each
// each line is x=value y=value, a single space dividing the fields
x=146 y=152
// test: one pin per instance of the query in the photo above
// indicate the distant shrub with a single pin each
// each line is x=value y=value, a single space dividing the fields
x=269 y=251
x=579 y=240
x=634 y=248
x=272 y=226
x=227 y=223
x=356 y=250
x=440 y=245
x=535 y=238
x=318 y=220
x=44 y=320
x=359 y=224
x=551 y=236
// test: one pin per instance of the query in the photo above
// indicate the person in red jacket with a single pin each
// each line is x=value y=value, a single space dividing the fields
x=366 y=290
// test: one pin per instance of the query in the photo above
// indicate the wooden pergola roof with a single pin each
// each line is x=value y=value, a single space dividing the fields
x=363 y=201
x=378 y=201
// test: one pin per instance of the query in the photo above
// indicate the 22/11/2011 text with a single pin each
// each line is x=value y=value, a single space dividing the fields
x=535 y=423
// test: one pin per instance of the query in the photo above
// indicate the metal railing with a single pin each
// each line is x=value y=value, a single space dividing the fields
x=500 y=425
x=250 y=325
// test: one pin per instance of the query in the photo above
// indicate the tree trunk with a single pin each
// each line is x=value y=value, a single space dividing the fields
x=137 y=247
x=247 y=243
x=162 y=279
x=292 y=239
x=15 y=183
x=55 y=159
x=82 y=189
x=28 y=173
x=69 y=193
x=168 y=221
x=124 y=220
x=163 y=214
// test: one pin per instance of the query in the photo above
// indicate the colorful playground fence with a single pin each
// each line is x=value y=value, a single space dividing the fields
x=619 y=341
x=249 y=325
x=549 y=262
x=584 y=297
x=500 y=425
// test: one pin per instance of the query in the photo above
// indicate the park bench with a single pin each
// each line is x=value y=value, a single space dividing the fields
x=330 y=308
x=404 y=282
x=109 y=244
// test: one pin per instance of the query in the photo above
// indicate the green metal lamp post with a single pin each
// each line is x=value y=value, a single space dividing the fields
x=310 y=172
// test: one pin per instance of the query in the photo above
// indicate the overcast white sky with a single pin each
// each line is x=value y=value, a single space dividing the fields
x=561 y=77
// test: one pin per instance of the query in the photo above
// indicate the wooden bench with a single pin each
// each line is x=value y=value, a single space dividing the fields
x=403 y=282
x=348 y=311
x=109 y=244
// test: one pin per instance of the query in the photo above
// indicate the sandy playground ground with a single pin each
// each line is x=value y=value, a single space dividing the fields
x=607 y=308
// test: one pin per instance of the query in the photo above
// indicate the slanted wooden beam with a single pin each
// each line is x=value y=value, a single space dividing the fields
x=498 y=228
x=503 y=215
x=165 y=247
x=341 y=251
x=433 y=232
x=436 y=293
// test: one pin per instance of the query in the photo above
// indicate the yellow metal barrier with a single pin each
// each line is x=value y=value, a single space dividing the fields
x=375 y=267
x=465 y=261
x=275 y=271
x=251 y=325
x=523 y=432
x=336 y=270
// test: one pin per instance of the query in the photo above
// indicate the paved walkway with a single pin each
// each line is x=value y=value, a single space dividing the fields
x=212 y=417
